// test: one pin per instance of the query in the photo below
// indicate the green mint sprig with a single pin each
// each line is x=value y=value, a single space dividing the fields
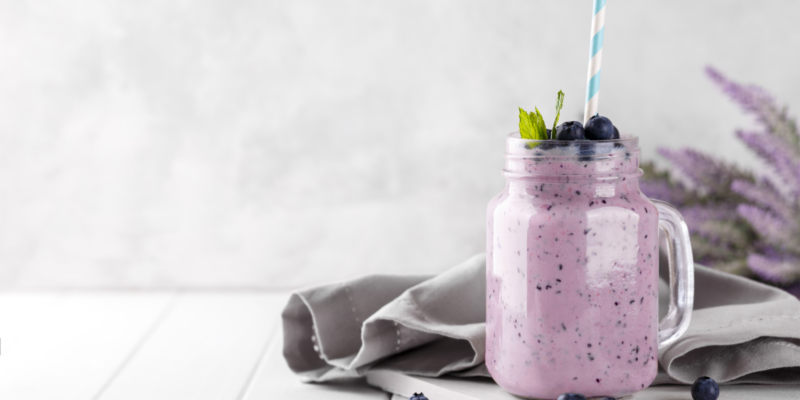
x=532 y=126
x=559 y=104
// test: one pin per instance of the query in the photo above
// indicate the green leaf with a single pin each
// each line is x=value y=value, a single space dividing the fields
x=532 y=126
x=540 y=129
x=559 y=104
x=525 y=125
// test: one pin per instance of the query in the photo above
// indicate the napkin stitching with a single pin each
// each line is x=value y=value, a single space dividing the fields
x=397 y=335
x=352 y=305
x=745 y=320
x=741 y=349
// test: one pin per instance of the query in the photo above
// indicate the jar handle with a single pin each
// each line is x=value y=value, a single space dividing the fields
x=681 y=274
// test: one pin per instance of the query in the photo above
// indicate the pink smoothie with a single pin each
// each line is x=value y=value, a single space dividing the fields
x=572 y=275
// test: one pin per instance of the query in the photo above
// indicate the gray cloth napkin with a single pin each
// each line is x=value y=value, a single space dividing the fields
x=741 y=331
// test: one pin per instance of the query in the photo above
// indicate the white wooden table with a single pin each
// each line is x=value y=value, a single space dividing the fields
x=109 y=345
x=194 y=345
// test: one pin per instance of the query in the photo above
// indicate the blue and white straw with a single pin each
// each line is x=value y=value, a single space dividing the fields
x=595 y=59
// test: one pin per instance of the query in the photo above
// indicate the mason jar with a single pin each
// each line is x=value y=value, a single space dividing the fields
x=572 y=271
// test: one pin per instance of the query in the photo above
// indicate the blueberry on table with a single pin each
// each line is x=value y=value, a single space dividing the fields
x=418 y=396
x=571 y=396
x=600 y=128
x=570 y=130
x=705 y=388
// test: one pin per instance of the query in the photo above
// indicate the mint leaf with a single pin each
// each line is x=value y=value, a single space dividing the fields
x=540 y=129
x=525 y=125
x=532 y=126
x=559 y=104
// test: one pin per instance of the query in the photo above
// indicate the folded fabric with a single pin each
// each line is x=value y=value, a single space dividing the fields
x=741 y=331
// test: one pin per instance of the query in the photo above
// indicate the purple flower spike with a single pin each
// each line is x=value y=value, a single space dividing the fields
x=774 y=269
x=662 y=190
x=755 y=100
x=774 y=152
x=701 y=169
x=739 y=222
x=764 y=194
x=751 y=98
x=768 y=225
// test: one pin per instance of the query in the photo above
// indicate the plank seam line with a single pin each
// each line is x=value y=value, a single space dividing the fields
x=156 y=324
x=250 y=379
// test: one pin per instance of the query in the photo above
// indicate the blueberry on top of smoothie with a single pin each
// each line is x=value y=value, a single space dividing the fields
x=418 y=396
x=705 y=388
x=600 y=128
x=570 y=130
x=572 y=396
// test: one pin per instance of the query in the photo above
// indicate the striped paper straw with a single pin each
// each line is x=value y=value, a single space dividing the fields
x=595 y=59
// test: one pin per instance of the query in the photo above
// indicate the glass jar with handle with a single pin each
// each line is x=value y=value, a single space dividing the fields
x=572 y=271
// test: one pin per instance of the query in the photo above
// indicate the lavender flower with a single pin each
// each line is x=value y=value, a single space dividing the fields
x=751 y=98
x=740 y=223
x=755 y=100
x=662 y=190
x=764 y=194
x=776 y=231
x=701 y=169
x=774 y=151
x=704 y=214
x=774 y=269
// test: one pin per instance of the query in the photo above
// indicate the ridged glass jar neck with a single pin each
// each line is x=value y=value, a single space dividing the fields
x=584 y=160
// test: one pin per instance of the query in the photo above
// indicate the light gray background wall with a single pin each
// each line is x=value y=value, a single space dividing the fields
x=276 y=144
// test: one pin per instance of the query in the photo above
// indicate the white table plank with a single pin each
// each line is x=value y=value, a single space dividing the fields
x=485 y=389
x=207 y=348
x=74 y=343
x=274 y=380
x=19 y=310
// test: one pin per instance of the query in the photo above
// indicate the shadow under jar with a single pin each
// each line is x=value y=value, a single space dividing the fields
x=572 y=271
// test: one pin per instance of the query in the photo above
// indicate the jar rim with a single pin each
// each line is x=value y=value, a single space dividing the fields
x=586 y=158
x=516 y=146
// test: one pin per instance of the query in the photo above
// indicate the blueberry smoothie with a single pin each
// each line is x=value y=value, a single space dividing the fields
x=572 y=269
